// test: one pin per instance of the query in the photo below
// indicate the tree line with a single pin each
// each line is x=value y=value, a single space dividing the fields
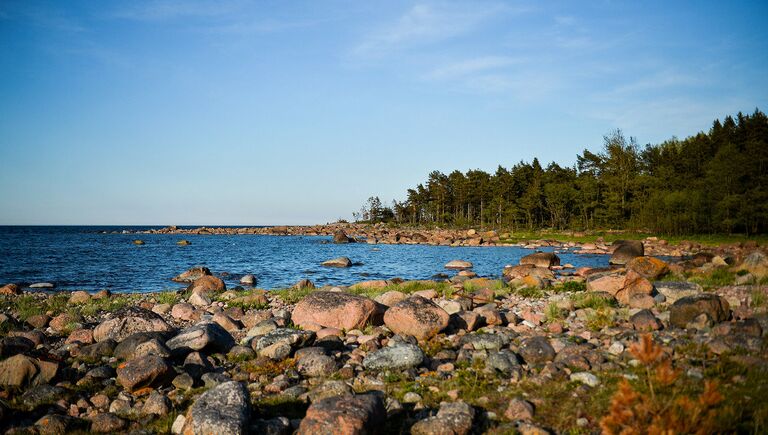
x=712 y=182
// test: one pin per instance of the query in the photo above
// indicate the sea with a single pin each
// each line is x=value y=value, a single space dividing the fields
x=104 y=257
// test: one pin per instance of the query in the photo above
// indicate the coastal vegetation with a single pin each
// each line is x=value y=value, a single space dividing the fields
x=714 y=182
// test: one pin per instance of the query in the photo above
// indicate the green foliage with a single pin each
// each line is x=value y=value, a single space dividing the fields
x=553 y=312
x=570 y=286
x=529 y=292
x=716 y=278
x=600 y=318
x=712 y=182
x=591 y=300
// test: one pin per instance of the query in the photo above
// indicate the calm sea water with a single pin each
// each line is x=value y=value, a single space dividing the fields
x=87 y=258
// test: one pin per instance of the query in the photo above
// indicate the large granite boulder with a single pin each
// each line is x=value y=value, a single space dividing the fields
x=333 y=310
x=687 y=309
x=192 y=274
x=416 y=316
x=128 y=321
x=21 y=371
x=541 y=259
x=223 y=410
x=204 y=336
x=146 y=371
x=344 y=415
x=625 y=251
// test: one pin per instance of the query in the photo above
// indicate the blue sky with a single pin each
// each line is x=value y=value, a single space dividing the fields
x=278 y=112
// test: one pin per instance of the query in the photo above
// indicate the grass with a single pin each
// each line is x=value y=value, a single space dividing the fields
x=591 y=300
x=293 y=295
x=169 y=297
x=758 y=298
x=570 y=286
x=554 y=313
x=600 y=318
x=716 y=278
x=529 y=292
x=609 y=237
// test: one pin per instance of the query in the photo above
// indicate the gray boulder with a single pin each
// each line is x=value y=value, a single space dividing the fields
x=397 y=357
x=223 y=410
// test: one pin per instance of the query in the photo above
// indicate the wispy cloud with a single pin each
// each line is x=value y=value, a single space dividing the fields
x=471 y=66
x=427 y=23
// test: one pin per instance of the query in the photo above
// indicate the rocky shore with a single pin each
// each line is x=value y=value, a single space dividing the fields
x=384 y=234
x=643 y=345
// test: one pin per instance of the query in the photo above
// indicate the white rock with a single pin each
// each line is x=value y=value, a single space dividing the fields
x=585 y=378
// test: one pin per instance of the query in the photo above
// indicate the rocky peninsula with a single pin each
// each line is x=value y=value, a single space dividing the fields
x=643 y=345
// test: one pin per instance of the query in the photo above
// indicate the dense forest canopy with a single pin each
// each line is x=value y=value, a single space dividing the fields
x=715 y=182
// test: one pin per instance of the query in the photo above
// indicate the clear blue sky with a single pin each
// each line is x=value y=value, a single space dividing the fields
x=271 y=112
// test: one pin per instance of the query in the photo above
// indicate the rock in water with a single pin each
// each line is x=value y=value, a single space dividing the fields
x=541 y=259
x=192 y=274
x=341 y=237
x=344 y=415
x=398 y=357
x=249 y=280
x=458 y=264
x=337 y=262
x=128 y=321
x=333 y=310
x=416 y=316
x=625 y=251
x=223 y=410
x=689 y=308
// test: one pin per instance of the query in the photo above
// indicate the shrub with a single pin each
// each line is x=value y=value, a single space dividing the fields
x=660 y=410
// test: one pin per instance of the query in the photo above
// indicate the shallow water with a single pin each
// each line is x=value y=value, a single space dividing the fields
x=87 y=258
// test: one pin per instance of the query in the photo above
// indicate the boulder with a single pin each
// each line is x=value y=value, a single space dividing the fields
x=625 y=251
x=634 y=286
x=644 y=320
x=541 y=259
x=192 y=274
x=525 y=270
x=107 y=423
x=390 y=298
x=204 y=336
x=452 y=418
x=685 y=310
x=337 y=262
x=146 y=371
x=279 y=343
x=416 y=316
x=339 y=236
x=537 y=351
x=304 y=284
x=21 y=371
x=397 y=357
x=334 y=310
x=79 y=297
x=223 y=410
x=674 y=290
x=344 y=415
x=316 y=365
x=128 y=321
x=373 y=284
x=126 y=349
x=249 y=280
x=609 y=282
x=207 y=284
x=458 y=264
x=648 y=267
x=10 y=289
